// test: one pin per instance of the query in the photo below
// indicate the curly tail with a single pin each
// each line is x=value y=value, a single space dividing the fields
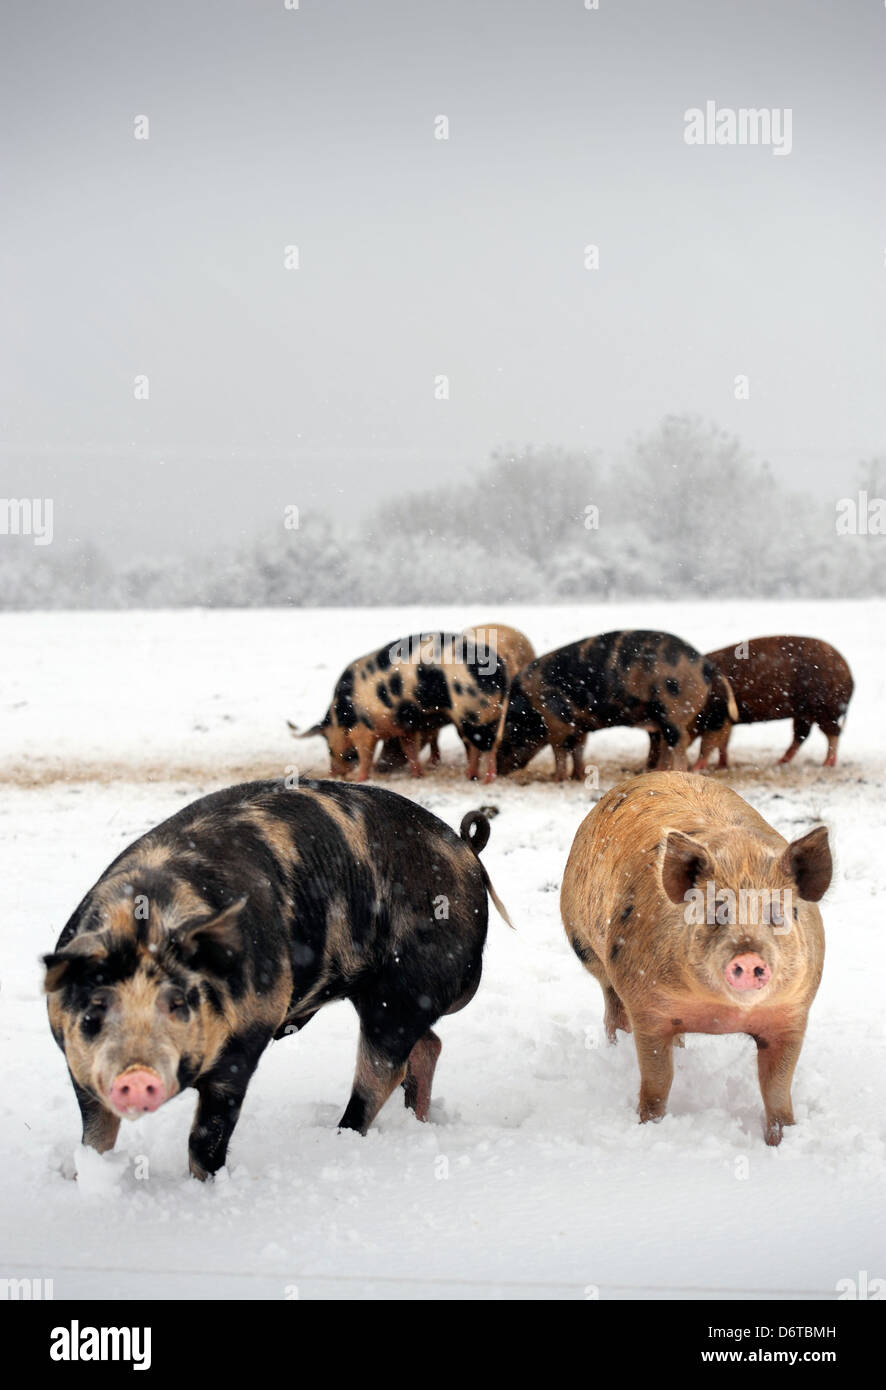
x=474 y=830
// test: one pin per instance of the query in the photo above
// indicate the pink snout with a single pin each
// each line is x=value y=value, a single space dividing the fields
x=747 y=972
x=137 y=1091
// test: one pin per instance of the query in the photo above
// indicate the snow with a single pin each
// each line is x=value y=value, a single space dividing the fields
x=533 y=1178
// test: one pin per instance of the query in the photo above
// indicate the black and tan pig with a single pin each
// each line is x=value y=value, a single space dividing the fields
x=695 y=916
x=235 y=921
x=512 y=647
x=650 y=680
x=409 y=689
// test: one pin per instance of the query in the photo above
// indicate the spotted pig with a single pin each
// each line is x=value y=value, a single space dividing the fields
x=515 y=650
x=651 y=680
x=235 y=921
x=408 y=690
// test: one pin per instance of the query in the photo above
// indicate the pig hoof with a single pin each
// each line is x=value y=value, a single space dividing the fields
x=774 y=1129
x=199 y=1172
x=419 y=1107
x=651 y=1111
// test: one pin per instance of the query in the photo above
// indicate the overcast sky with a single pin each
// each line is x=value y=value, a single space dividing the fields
x=422 y=257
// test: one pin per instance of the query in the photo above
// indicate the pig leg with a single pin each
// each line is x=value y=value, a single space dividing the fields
x=364 y=741
x=395 y=1040
x=377 y=1077
x=776 y=1059
x=434 y=756
x=420 y=1066
x=487 y=767
x=221 y=1094
x=680 y=752
x=473 y=771
x=424 y=1056
x=392 y=756
x=100 y=1125
x=561 y=762
x=411 y=745
x=673 y=745
x=711 y=741
x=655 y=1055
x=802 y=729
x=578 y=762
x=615 y=1016
x=832 y=733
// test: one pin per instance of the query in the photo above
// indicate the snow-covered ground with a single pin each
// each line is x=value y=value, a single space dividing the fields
x=533 y=1178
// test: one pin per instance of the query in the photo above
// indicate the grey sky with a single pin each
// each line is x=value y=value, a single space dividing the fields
x=419 y=257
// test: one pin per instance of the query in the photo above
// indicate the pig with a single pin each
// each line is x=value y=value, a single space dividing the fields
x=799 y=678
x=696 y=916
x=408 y=690
x=236 y=920
x=651 y=680
x=513 y=648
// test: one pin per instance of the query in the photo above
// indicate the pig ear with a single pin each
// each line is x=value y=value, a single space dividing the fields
x=685 y=862
x=313 y=732
x=214 y=943
x=58 y=963
x=808 y=862
x=78 y=952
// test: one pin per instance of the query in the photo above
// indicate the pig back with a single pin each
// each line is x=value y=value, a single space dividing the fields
x=512 y=646
x=784 y=676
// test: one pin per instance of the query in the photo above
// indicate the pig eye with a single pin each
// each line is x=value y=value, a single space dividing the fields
x=93 y=1014
x=177 y=1003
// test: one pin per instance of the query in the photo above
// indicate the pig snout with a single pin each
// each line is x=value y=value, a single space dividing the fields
x=748 y=971
x=137 y=1091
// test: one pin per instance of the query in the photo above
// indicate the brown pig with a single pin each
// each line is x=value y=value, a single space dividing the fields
x=695 y=916
x=799 y=678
